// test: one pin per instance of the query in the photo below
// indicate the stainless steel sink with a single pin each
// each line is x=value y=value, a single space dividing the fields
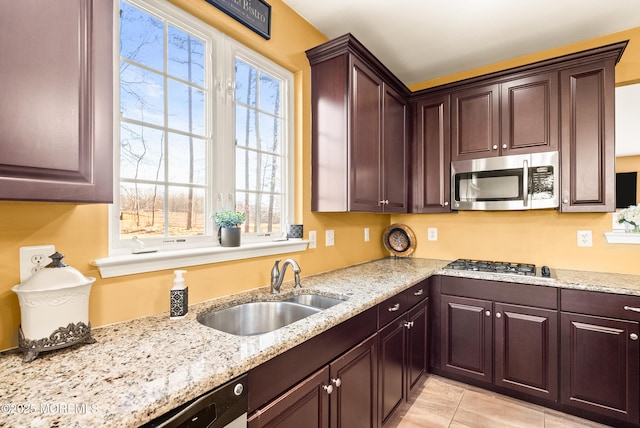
x=315 y=300
x=249 y=319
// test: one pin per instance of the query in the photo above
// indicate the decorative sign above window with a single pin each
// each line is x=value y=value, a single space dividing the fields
x=254 y=14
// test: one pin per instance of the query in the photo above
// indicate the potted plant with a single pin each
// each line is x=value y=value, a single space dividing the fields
x=228 y=223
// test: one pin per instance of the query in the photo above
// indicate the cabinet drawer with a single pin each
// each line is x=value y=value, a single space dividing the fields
x=598 y=303
x=416 y=294
x=506 y=292
x=392 y=308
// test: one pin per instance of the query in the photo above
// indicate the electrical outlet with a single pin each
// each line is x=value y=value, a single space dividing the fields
x=329 y=238
x=367 y=236
x=432 y=234
x=34 y=258
x=584 y=238
x=312 y=239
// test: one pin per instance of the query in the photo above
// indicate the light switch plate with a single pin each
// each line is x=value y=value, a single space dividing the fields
x=367 y=235
x=329 y=238
x=312 y=239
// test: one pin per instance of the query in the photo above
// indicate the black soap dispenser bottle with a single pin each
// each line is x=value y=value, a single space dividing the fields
x=179 y=302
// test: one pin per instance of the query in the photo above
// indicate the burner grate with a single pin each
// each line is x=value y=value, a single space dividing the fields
x=526 y=269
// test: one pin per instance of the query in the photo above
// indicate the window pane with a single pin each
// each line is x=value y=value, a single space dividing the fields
x=246 y=203
x=141 y=37
x=187 y=159
x=141 y=152
x=186 y=108
x=186 y=56
x=246 y=83
x=270 y=214
x=141 y=212
x=141 y=94
x=271 y=174
x=246 y=127
x=246 y=170
x=270 y=133
x=186 y=211
x=269 y=94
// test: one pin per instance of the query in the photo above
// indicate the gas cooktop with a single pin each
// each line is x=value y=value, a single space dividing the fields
x=525 y=269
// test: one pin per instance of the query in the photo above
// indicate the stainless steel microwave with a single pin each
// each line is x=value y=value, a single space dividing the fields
x=517 y=182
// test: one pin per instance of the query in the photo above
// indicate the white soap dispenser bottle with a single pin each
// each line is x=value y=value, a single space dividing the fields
x=179 y=302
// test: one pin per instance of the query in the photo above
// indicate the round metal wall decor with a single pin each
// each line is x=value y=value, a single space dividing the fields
x=399 y=240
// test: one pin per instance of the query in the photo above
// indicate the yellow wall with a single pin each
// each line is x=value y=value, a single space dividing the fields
x=544 y=237
x=81 y=231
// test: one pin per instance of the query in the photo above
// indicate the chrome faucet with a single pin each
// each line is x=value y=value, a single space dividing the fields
x=277 y=275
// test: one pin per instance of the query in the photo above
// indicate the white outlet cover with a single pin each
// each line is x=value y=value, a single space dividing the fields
x=312 y=239
x=585 y=238
x=367 y=235
x=27 y=266
x=432 y=234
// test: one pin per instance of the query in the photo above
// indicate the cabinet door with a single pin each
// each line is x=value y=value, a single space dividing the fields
x=304 y=405
x=530 y=114
x=394 y=158
x=56 y=112
x=354 y=377
x=392 y=375
x=587 y=138
x=600 y=365
x=475 y=122
x=526 y=350
x=366 y=139
x=417 y=344
x=430 y=181
x=466 y=337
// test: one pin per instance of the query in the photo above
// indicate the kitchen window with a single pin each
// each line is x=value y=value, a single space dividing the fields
x=204 y=125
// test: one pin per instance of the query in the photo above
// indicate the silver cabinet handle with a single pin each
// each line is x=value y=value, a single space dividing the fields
x=328 y=388
x=631 y=308
x=446 y=204
x=504 y=146
x=633 y=336
x=383 y=202
x=337 y=382
x=408 y=324
x=498 y=315
x=488 y=313
x=394 y=307
x=565 y=201
x=419 y=292
x=495 y=147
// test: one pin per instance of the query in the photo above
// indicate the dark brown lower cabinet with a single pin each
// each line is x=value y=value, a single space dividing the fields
x=403 y=357
x=600 y=365
x=341 y=394
x=511 y=346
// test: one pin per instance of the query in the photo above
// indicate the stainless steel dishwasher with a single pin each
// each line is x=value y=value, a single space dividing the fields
x=225 y=406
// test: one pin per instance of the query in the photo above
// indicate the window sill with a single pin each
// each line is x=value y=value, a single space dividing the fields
x=139 y=263
x=622 y=238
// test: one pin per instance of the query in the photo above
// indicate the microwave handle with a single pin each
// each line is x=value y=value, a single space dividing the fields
x=525 y=181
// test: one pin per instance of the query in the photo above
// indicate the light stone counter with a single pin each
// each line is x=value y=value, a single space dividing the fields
x=143 y=368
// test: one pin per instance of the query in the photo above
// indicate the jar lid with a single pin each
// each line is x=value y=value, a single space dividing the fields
x=56 y=275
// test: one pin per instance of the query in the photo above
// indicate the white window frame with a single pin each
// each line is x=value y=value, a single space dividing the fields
x=221 y=195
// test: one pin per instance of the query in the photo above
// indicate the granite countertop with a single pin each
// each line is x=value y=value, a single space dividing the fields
x=142 y=368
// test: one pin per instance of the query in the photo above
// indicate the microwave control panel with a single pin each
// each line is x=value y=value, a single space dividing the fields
x=542 y=180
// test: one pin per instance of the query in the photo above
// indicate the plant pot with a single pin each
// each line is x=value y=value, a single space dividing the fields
x=229 y=236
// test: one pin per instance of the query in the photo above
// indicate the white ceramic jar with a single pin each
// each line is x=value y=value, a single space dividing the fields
x=54 y=308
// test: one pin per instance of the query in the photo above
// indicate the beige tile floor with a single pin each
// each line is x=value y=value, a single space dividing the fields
x=441 y=402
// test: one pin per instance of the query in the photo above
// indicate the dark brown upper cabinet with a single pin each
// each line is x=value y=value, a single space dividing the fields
x=588 y=140
x=56 y=112
x=431 y=155
x=506 y=117
x=358 y=131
